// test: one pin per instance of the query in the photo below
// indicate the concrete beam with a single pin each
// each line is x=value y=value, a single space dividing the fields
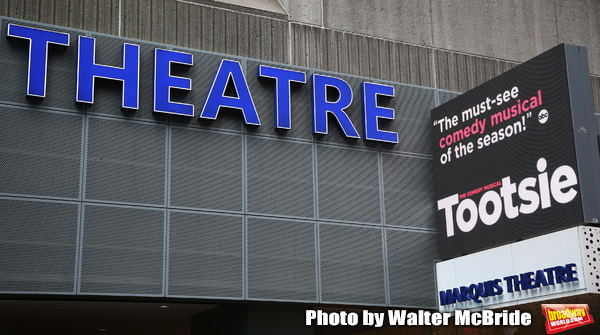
x=308 y=11
x=266 y=5
x=578 y=23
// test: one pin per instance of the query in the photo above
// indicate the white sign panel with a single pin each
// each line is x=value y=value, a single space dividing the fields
x=540 y=268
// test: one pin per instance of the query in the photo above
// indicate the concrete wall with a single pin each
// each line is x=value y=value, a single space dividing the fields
x=461 y=44
x=514 y=30
x=448 y=45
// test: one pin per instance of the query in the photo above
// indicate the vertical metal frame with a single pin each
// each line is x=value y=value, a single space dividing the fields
x=584 y=127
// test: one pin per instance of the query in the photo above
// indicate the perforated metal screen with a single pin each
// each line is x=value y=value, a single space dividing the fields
x=38 y=246
x=590 y=236
x=205 y=255
x=352 y=267
x=125 y=161
x=40 y=152
x=280 y=177
x=123 y=250
x=409 y=199
x=101 y=200
x=282 y=260
x=348 y=185
x=444 y=96
x=206 y=170
x=409 y=266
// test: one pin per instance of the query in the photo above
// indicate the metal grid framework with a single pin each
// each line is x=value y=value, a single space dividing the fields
x=155 y=205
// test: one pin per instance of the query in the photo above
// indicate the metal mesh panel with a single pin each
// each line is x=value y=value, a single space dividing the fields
x=125 y=162
x=263 y=93
x=40 y=153
x=206 y=170
x=354 y=112
x=591 y=235
x=444 y=97
x=351 y=263
x=281 y=260
x=205 y=255
x=348 y=185
x=61 y=75
x=38 y=245
x=412 y=123
x=123 y=250
x=410 y=257
x=409 y=191
x=280 y=179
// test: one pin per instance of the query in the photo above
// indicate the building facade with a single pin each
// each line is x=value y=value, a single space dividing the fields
x=134 y=206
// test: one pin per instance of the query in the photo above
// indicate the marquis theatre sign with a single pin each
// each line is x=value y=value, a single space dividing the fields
x=516 y=157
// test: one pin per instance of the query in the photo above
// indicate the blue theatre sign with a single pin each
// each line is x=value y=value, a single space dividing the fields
x=229 y=73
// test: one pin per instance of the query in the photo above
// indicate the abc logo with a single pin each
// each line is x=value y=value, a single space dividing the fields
x=543 y=116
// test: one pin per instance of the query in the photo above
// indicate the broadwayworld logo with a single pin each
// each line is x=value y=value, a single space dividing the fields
x=563 y=317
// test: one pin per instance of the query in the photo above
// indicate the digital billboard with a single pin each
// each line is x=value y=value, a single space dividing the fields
x=517 y=156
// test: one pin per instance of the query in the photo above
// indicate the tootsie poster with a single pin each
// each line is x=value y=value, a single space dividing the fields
x=506 y=158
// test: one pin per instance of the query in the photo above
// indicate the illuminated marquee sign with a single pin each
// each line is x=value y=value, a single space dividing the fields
x=517 y=156
x=330 y=96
